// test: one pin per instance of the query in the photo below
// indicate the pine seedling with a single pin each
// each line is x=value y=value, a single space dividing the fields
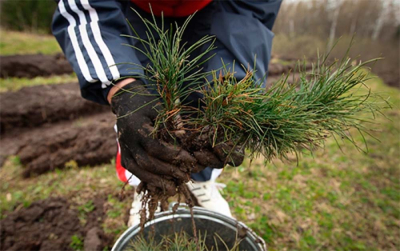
x=179 y=241
x=283 y=119
x=286 y=118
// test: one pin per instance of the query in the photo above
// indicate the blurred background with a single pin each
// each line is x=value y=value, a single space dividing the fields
x=58 y=186
x=303 y=27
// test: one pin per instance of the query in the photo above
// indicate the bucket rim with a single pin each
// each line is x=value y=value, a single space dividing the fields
x=198 y=212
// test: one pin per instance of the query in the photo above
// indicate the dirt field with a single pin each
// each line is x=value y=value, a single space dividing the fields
x=43 y=105
x=50 y=224
x=29 y=66
x=55 y=125
x=53 y=200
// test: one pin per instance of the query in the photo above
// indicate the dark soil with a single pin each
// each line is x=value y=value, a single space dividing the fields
x=29 y=66
x=275 y=69
x=89 y=141
x=278 y=69
x=50 y=224
x=34 y=106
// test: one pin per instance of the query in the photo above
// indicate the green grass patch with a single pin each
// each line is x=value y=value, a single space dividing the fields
x=12 y=42
x=14 y=84
x=76 y=242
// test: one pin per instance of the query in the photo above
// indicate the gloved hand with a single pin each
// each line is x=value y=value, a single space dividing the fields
x=155 y=162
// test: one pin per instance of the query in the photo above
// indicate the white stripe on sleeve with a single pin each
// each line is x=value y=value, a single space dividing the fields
x=97 y=36
x=88 y=45
x=78 y=53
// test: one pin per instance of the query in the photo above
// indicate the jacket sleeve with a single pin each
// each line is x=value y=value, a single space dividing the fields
x=89 y=33
x=243 y=32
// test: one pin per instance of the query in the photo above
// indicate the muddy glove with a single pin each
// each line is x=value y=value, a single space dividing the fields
x=221 y=155
x=230 y=154
x=153 y=161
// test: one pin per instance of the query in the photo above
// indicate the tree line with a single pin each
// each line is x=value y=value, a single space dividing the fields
x=375 y=19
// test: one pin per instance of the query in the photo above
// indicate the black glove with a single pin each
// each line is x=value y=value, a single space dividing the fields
x=153 y=161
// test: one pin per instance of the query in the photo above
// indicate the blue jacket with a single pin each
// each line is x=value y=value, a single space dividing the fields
x=88 y=32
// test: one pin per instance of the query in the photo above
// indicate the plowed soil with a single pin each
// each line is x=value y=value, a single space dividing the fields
x=47 y=126
x=29 y=66
x=33 y=106
x=50 y=224
x=88 y=141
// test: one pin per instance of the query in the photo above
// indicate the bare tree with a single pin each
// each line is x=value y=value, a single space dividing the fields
x=381 y=19
x=336 y=5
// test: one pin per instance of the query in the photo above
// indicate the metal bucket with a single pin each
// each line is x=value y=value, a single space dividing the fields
x=210 y=224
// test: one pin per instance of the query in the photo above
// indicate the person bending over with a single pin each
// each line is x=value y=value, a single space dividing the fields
x=89 y=33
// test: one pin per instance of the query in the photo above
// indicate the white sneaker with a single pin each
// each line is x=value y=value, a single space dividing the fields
x=208 y=196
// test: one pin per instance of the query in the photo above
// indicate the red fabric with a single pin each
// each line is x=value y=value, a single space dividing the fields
x=119 y=168
x=172 y=8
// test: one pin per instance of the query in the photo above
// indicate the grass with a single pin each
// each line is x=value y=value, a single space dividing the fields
x=76 y=242
x=178 y=242
x=14 y=84
x=12 y=42
x=300 y=46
